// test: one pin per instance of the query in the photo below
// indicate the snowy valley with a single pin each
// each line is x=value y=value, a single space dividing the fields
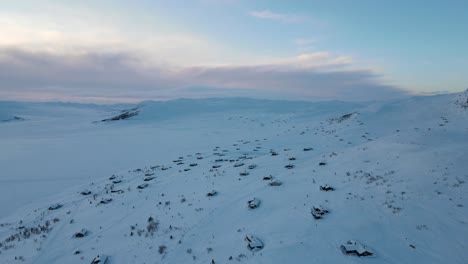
x=235 y=181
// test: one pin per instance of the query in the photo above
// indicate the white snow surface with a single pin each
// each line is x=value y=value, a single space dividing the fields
x=399 y=170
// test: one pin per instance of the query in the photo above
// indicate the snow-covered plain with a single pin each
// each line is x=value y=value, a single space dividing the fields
x=398 y=170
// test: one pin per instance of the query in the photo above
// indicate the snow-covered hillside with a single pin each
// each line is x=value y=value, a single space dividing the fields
x=235 y=181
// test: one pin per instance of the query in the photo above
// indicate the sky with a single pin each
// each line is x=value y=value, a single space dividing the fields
x=128 y=51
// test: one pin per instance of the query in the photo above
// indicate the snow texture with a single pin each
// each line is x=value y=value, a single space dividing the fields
x=181 y=182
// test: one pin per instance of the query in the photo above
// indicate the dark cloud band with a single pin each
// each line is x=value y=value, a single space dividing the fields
x=27 y=75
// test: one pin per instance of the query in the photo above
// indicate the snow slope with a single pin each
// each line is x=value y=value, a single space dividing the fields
x=398 y=169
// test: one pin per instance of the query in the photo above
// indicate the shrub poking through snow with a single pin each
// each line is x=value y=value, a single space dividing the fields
x=355 y=248
x=318 y=212
x=142 y=186
x=253 y=166
x=152 y=225
x=244 y=173
x=289 y=166
x=326 y=188
x=212 y=193
x=149 y=178
x=254 y=244
x=342 y=118
x=238 y=165
x=162 y=249
x=105 y=201
x=275 y=183
x=82 y=233
x=253 y=203
x=99 y=259
x=55 y=206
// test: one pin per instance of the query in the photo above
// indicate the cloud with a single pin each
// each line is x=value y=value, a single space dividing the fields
x=297 y=83
x=123 y=76
x=81 y=37
x=285 y=18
